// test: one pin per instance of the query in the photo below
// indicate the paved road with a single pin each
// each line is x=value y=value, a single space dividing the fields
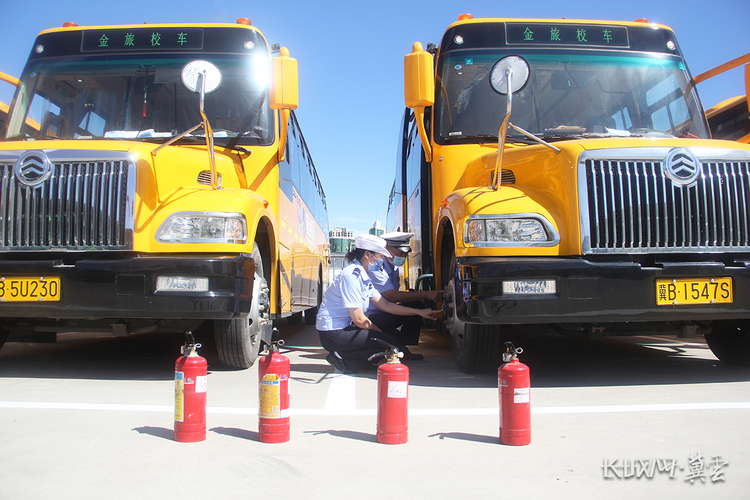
x=92 y=417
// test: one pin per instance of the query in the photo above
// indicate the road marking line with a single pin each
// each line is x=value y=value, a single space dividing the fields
x=339 y=404
x=342 y=394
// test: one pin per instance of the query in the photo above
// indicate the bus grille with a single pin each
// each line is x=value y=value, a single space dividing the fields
x=82 y=205
x=631 y=206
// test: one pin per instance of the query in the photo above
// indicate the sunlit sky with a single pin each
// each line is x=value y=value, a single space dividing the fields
x=350 y=57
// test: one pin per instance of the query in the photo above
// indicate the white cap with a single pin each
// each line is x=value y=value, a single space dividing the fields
x=399 y=240
x=372 y=243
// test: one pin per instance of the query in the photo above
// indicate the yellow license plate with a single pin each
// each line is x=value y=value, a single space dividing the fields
x=26 y=289
x=694 y=291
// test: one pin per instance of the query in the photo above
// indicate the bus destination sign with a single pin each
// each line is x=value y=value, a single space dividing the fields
x=112 y=40
x=595 y=35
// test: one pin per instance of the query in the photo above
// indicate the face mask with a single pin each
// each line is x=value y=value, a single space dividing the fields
x=377 y=266
x=399 y=261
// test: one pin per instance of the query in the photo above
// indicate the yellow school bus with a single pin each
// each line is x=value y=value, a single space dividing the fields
x=165 y=184
x=559 y=175
x=730 y=119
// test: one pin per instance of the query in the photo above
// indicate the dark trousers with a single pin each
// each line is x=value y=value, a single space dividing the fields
x=410 y=325
x=355 y=344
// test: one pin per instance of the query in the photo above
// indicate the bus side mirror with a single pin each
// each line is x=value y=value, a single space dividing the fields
x=419 y=80
x=285 y=85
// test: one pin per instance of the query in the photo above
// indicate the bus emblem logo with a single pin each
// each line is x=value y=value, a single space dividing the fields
x=682 y=167
x=32 y=168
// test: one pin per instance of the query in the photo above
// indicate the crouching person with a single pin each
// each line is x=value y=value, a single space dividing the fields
x=344 y=329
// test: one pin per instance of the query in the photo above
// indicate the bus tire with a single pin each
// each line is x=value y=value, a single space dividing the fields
x=474 y=346
x=475 y=350
x=238 y=341
x=730 y=341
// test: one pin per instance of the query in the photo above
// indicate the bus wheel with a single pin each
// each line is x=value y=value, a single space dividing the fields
x=730 y=341
x=238 y=340
x=474 y=346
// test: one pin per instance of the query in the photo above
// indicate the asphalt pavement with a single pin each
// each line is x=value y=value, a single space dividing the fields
x=92 y=417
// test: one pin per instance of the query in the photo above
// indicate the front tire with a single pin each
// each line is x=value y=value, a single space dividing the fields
x=238 y=340
x=474 y=347
x=730 y=341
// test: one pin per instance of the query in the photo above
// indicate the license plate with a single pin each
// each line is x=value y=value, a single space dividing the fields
x=694 y=291
x=27 y=289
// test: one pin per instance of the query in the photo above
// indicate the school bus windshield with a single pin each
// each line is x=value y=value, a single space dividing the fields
x=569 y=93
x=142 y=97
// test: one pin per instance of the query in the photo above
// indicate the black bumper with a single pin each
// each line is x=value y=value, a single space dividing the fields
x=125 y=287
x=589 y=292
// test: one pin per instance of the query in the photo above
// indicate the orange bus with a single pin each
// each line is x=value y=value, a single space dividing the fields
x=559 y=176
x=166 y=185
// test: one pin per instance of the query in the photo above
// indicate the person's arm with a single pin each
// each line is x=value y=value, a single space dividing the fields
x=385 y=305
x=399 y=296
x=362 y=321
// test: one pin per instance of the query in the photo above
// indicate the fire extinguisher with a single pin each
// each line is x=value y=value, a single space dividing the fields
x=191 y=382
x=393 y=397
x=273 y=391
x=514 y=386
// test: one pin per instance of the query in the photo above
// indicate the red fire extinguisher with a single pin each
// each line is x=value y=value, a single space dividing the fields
x=393 y=397
x=514 y=386
x=191 y=382
x=273 y=391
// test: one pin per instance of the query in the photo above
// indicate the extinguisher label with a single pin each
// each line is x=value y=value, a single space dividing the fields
x=521 y=395
x=179 y=396
x=398 y=389
x=270 y=396
x=201 y=383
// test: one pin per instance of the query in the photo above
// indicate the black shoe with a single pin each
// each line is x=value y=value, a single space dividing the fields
x=335 y=361
x=410 y=356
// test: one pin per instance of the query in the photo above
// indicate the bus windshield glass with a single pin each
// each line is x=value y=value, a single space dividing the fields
x=142 y=97
x=569 y=93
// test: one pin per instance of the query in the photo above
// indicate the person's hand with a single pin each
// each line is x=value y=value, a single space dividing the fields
x=429 y=313
x=434 y=295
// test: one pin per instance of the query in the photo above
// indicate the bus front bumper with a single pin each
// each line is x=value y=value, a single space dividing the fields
x=126 y=287
x=588 y=291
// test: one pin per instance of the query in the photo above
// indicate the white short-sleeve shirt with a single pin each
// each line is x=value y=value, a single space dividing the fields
x=352 y=288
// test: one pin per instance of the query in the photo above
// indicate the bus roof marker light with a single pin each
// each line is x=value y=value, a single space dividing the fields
x=464 y=17
x=68 y=24
x=245 y=21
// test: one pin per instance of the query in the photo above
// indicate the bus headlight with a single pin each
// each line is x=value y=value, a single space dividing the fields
x=487 y=230
x=203 y=227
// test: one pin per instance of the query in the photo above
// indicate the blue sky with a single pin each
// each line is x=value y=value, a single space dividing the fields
x=350 y=58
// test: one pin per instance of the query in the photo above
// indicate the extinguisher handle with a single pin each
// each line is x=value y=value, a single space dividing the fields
x=190 y=344
x=390 y=350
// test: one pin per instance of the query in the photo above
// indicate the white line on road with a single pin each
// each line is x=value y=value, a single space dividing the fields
x=340 y=408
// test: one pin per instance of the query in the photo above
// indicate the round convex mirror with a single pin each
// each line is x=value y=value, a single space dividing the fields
x=192 y=70
x=519 y=75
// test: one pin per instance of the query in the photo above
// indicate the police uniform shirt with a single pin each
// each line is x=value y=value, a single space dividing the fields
x=384 y=279
x=352 y=288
